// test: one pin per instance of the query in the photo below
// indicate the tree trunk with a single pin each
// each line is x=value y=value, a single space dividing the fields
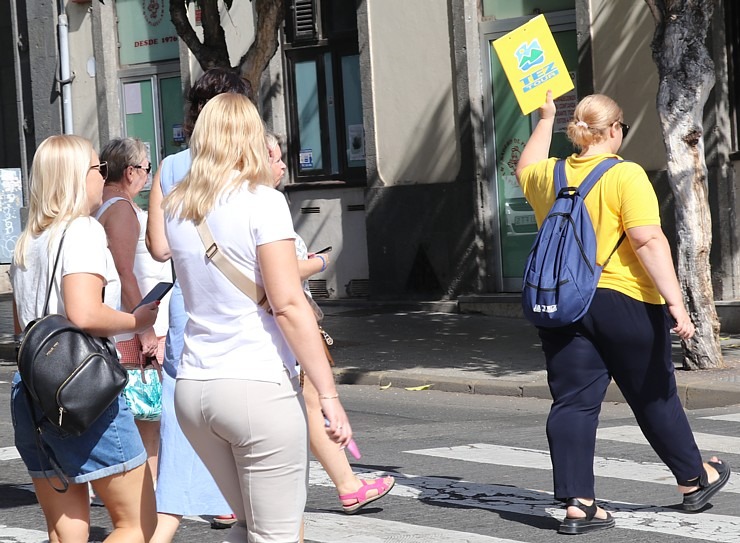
x=269 y=15
x=212 y=52
x=686 y=74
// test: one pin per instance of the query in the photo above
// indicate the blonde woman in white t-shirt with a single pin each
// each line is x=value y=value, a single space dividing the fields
x=66 y=188
x=237 y=396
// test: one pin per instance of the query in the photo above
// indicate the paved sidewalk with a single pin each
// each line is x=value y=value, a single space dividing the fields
x=417 y=344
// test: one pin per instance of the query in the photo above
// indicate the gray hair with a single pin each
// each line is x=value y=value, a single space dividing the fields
x=120 y=153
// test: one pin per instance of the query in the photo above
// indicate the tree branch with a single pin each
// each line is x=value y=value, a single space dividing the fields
x=269 y=17
x=213 y=52
x=213 y=33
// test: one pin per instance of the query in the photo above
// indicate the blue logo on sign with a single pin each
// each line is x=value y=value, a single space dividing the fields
x=529 y=55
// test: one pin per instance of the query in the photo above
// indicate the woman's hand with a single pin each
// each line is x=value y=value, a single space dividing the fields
x=339 y=429
x=684 y=328
x=548 y=109
x=149 y=343
x=145 y=316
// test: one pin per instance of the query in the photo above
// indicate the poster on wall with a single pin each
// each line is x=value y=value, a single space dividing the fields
x=11 y=201
x=356 y=141
x=533 y=64
x=145 y=31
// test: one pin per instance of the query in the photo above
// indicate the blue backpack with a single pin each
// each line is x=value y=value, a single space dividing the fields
x=561 y=273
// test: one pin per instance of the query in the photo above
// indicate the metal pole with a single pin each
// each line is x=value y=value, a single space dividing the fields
x=19 y=98
x=65 y=75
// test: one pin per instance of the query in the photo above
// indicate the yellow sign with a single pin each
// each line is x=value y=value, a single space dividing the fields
x=533 y=64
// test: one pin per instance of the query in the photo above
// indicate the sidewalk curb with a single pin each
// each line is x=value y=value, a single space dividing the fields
x=702 y=395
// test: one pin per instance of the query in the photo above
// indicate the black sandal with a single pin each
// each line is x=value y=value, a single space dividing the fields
x=588 y=524
x=696 y=500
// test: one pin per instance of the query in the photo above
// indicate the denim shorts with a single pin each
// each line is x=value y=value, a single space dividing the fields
x=111 y=445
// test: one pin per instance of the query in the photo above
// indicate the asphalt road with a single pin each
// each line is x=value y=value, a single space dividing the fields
x=469 y=468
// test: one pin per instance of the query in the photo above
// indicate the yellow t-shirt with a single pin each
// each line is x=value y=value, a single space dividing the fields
x=623 y=199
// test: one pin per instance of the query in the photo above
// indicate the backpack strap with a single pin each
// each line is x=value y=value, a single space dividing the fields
x=561 y=181
x=53 y=273
x=593 y=177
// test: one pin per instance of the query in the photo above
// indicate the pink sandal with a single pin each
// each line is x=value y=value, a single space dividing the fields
x=223 y=521
x=382 y=485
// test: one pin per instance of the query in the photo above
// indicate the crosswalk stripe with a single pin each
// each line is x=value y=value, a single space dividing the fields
x=21 y=535
x=333 y=528
x=459 y=493
x=732 y=417
x=8 y=453
x=616 y=468
x=707 y=442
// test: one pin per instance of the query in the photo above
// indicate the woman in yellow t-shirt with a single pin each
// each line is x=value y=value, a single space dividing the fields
x=626 y=332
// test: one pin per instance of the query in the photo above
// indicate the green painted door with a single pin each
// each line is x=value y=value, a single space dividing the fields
x=170 y=99
x=511 y=130
x=153 y=112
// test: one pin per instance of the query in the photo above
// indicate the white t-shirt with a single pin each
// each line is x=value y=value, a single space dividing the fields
x=85 y=250
x=227 y=335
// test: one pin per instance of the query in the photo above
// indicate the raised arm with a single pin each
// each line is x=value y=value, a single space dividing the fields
x=538 y=145
x=156 y=241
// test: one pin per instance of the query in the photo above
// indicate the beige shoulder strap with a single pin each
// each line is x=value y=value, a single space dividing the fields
x=255 y=292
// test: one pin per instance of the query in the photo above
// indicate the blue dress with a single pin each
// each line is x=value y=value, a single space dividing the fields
x=184 y=484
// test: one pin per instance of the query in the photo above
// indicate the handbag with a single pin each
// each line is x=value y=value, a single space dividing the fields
x=143 y=393
x=71 y=376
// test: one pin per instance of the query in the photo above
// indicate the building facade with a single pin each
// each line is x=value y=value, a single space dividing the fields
x=401 y=132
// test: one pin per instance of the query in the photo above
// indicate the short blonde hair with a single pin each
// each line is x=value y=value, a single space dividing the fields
x=58 y=187
x=592 y=118
x=228 y=150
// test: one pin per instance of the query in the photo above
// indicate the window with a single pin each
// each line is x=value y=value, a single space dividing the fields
x=326 y=140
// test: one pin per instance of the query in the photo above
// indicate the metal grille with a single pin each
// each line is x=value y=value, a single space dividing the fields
x=318 y=288
x=358 y=288
x=308 y=210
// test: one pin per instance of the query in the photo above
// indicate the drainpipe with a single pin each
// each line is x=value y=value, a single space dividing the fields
x=17 y=46
x=65 y=75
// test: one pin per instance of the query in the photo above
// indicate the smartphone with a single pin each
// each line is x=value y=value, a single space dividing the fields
x=324 y=250
x=157 y=293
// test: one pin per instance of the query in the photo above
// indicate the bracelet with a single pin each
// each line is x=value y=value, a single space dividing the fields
x=325 y=397
x=323 y=261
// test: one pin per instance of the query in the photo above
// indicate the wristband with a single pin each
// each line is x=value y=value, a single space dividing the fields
x=323 y=263
x=325 y=397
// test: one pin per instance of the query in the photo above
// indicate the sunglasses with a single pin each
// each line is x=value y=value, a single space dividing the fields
x=146 y=169
x=625 y=129
x=102 y=168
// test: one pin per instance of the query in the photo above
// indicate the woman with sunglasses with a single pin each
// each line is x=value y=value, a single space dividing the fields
x=625 y=334
x=125 y=224
x=66 y=188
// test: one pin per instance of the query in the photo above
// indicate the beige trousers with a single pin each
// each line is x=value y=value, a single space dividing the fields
x=252 y=437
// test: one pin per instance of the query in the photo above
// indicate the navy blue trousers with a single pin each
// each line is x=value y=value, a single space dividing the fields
x=629 y=341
